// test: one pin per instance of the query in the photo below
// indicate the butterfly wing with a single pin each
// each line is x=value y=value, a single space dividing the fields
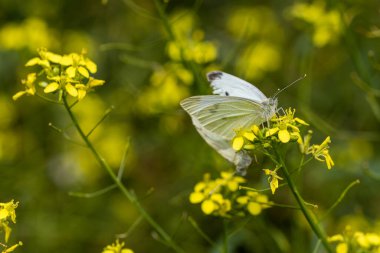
x=223 y=146
x=224 y=84
x=222 y=115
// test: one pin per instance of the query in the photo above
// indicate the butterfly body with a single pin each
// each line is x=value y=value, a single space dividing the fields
x=236 y=104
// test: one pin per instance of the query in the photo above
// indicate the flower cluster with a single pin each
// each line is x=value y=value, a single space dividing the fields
x=8 y=215
x=356 y=241
x=256 y=24
x=283 y=129
x=327 y=24
x=189 y=43
x=116 y=247
x=222 y=197
x=63 y=74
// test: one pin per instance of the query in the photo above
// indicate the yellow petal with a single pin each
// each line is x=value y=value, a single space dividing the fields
x=249 y=136
x=242 y=200
x=196 y=197
x=284 y=136
x=254 y=208
x=329 y=161
x=217 y=197
x=3 y=213
x=95 y=82
x=81 y=94
x=91 y=66
x=208 y=206
x=336 y=238
x=56 y=58
x=238 y=143
x=51 y=87
x=249 y=146
x=127 y=251
x=233 y=186
x=341 y=248
x=271 y=131
x=32 y=62
x=255 y=129
x=273 y=184
x=301 y=121
x=71 y=90
x=18 y=95
x=71 y=71
x=66 y=60
x=44 y=63
x=84 y=72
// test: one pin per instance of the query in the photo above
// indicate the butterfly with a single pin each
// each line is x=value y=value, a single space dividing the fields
x=236 y=104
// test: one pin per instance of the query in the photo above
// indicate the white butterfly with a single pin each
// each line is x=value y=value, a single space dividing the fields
x=239 y=105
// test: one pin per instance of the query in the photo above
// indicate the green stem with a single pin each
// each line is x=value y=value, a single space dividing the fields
x=129 y=195
x=306 y=212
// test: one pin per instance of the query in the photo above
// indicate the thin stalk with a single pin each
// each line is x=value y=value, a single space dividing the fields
x=168 y=240
x=306 y=212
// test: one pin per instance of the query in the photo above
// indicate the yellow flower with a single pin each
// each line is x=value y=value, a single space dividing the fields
x=238 y=143
x=116 y=247
x=69 y=74
x=327 y=25
x=29 y=83
x=208 y=206
x=284 y=135
x=272 y=179
x=8 y=210
x=342 y=248
x=321 y=152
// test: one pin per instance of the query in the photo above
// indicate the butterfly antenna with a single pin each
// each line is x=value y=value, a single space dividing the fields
x=287 y=86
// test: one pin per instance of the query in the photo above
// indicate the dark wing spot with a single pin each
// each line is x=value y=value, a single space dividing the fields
x=227 y=94
x=211 y=76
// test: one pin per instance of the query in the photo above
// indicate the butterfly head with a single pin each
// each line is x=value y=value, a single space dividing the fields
x=269 y=108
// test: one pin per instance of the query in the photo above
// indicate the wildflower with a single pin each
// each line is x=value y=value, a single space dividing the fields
x=283 y=129
x=8 y=210
x=29 y=83
x=321 y=152
x=356 y=241
x=272 y=179
x=222 y=197
x=327 y=24
x=254 y=202
x=116 y=247
x=66 y=74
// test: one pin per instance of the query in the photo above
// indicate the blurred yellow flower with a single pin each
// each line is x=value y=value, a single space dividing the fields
x=32 y=33
x=188 y=43
x=168 y=86
x=258 y=59
x=222 y=197
x=356 y=241
x=327 y=24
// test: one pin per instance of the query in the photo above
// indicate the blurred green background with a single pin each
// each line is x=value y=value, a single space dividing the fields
x=269 y=43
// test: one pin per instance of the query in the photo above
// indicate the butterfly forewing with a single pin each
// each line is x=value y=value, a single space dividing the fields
x=222 y=115
x=224 y=84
